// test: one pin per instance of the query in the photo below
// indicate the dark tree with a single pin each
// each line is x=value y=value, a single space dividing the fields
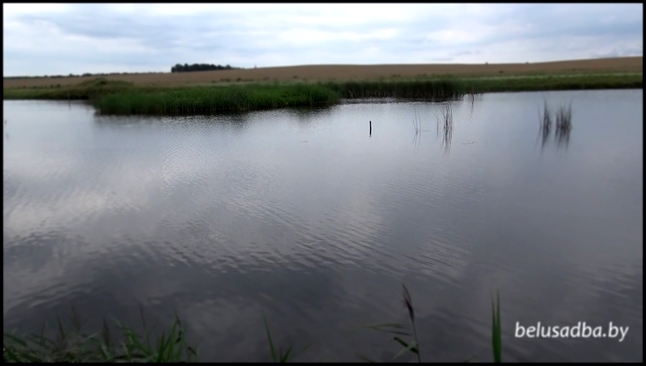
x=199 y=67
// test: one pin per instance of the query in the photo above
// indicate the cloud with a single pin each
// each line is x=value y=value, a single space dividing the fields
x=153 y=37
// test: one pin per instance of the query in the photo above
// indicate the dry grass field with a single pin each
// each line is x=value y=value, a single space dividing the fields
x=349 y=72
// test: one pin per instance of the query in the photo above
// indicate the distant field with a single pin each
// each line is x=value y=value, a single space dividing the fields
x=348 y=72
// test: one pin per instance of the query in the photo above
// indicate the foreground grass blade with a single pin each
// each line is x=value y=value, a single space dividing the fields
x=69 y=345
x=271 y=343
x=412 y=347
x=284 y=358
x=408 y=302
x=496 y=336
x=390 y=328
x=73 y=346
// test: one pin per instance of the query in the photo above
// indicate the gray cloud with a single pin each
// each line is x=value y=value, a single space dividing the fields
x=142 y=37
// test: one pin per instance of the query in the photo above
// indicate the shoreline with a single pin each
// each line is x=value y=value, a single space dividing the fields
x=126 y=98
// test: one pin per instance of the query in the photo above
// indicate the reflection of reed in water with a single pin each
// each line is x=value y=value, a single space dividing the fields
x=562 y=137
x=546 y=124
x=445 y=122
x=562 y=124
x=417 y=126
x=471 y=98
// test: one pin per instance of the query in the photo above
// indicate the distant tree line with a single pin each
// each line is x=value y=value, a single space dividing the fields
x=199 y=67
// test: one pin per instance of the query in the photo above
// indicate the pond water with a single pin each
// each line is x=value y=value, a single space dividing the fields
x=310 y=219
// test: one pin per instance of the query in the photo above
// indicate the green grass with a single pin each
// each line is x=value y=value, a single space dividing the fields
x=399 y=330
x=556 y=82
x=432 y=88
x=122 y=98
x=277 y=355
x=214 y=100
x=70 y=345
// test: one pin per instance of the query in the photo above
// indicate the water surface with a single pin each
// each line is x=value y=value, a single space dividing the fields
x=305 y=216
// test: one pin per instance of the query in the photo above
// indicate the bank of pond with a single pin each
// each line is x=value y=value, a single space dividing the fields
x=111 y=97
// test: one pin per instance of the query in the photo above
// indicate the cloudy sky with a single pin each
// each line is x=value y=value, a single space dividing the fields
x=52 y=39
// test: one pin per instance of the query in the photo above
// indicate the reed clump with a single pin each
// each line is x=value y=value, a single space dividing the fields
x=555 y=82
x=123 y=98
x=71 y=345
x=214 y=100
x=431 y=89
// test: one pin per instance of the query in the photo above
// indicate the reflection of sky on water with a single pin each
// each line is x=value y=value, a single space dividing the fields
x=220 y=219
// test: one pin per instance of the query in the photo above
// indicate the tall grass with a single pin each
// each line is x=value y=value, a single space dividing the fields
x=432 y=89
x=399 y=330
x=71 y=345
x=242 y=98
x=123 y=98
x=214 y=100
x=555 y=82
x=277 y=355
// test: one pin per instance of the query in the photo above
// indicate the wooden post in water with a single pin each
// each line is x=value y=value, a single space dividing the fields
x=370 y=127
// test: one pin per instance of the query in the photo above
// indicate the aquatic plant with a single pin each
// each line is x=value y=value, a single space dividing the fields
x=70 y=345
x=214 y=100
x=398 y=330
x=125 y=98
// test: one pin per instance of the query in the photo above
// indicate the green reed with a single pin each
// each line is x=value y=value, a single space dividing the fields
x=399 y=331
x=124 y=98
x=213 y=100
x=71 y=345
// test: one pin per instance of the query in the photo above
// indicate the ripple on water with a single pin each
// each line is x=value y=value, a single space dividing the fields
x=222 y=219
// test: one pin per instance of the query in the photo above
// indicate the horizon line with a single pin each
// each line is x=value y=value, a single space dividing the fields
x=320 y=65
